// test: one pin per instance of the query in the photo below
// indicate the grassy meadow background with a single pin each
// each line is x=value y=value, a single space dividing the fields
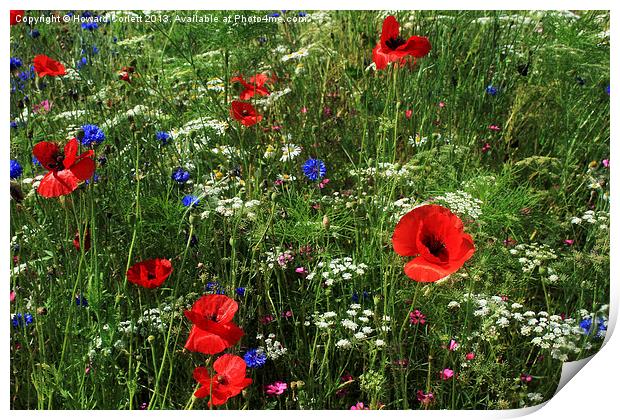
x=509 y=128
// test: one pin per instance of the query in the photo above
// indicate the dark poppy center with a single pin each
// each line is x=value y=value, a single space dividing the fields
x=245 y=113
x=435 y=246
x=151 y=276
x=394 y=43
x=222 y=379
x=57 y=163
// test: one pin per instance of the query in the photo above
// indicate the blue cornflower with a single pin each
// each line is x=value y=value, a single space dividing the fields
x=190 y=200
x=255 y=358
x=163 y=137
x=274 y=15
x=83 y=61
x=16 y=169
x=114 y=40
x=602 y=328
x=95 y=179
x=34 y=33
x=35 y=161
x=314 y=169
x=180 y=175
x=607 y=89
x=91 y=135
x=20 y=320
x=15 y=63
x=24 y=76
x=95 y=50
x=302 y=14
x=86 y=14
x=240 y=291
x=586 y=325
x=81 y=301
x=13 y=124
x=90 y=26
x=492 y=90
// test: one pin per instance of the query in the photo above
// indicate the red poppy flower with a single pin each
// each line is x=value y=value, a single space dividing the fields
x=256 y=85
x=392 y=47
x=435 y=237
x=213 y=329
x=244 y=113
x=45 y=66
x=150 y=273
x=66 y=169
x=14 y=16
x=228 y=381
x=76 y=240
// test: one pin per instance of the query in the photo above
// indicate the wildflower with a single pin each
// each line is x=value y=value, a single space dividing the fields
x=180 y=175
x=425 y=398
x=150 y=273
x=359 y=406
x=42 y=108
x=228 y=382
x=486 y=148
x=163 y=137
x=190 y=201
x=255 y=86
x=81 y=301
x=605 y=163
x=408 y=113
x=525 y=378
x=343 y=344
x=276 y=388
x=290 y=152
x=493 y=127
x=45 y=66
x=76 y=240
x=91 y=135
x=66 y=169
x=90 y=26
x=15 y=63
x=266 y=319
x=19 y=320
x=393 y=48
x=491 y=90
x=314 y=169
x=447 y=374
x=240 y=291
x=213 y=330
x=13 y=294
x=435 y=237
x=417 y=317
x=16 y=169
x=255 y=358
x=586 y=325
x=245 y=113
x=453 y=345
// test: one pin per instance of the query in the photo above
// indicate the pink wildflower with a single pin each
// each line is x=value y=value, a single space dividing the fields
x=447 y=374
x=417 y=317
x=359 y=406
x=276 y=388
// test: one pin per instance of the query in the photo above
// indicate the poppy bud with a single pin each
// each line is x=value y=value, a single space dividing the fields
x=151 y=338
x=231 y=241
x=326 y=222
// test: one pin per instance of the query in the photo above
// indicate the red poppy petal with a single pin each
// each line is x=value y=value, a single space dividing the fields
x=246 y=94
x=417 y=46
x=219 y=395
x=55 y=184
x=84 y=169
x=202 y=341
x=379 y=58
x=231 y=366
x=201 y=374
x=71 y=149
x=46 y=153
x=406 y=234
x=390 y=29
x=419 y=269
x=203 y=391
